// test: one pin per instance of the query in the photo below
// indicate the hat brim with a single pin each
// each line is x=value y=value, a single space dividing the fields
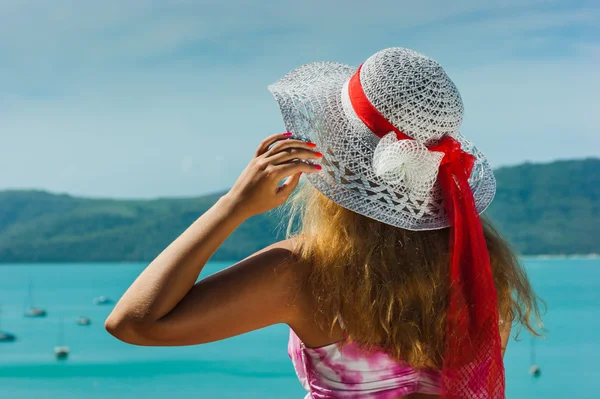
x=310 y=101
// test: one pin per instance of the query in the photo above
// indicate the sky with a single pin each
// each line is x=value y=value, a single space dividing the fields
x=164 y=98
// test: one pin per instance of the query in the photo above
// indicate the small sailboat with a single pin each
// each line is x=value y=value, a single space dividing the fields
x=61 y=351
x=7 y=337
x=83 y=321
x=33 y=311
x=534 y=370
x=102 y=300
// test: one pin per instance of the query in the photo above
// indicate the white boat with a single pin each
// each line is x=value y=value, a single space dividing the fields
x=102 y=300
x=33 y=311
x=534 y=370
x=83 y=321
x=7 y=337
x=61 y=351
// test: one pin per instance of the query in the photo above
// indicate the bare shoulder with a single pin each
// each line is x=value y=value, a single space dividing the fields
x=282 y=253
x=301 y=297
x=282 y=257
x=278 y=270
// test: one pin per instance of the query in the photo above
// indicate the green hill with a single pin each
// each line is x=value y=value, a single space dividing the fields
x=550 y=208
x=542 y=208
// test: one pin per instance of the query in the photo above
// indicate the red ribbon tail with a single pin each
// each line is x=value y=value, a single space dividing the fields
x=473 y=366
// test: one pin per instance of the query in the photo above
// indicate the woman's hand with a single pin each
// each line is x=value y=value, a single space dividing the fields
x=257 y=189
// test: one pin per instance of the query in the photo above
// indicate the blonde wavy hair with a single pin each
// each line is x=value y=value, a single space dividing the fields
x=390 y=285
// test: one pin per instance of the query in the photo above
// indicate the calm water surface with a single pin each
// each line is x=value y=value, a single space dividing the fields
x=254 y=365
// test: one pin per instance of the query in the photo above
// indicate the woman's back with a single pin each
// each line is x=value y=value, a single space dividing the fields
x=329 y=363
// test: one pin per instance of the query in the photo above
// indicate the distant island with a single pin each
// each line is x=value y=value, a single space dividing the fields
x=550 y=209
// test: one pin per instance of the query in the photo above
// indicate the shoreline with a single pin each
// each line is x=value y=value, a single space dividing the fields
x=557 y=257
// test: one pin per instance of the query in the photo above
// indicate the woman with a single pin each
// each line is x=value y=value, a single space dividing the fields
x=392 y=286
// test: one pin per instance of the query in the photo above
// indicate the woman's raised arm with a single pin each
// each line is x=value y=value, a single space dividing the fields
x=164 y=306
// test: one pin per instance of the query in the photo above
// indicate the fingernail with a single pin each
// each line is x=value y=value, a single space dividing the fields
x=318 y=154
x=287 y=134
x=311 y=145
x=318 y=167
x=299 y=174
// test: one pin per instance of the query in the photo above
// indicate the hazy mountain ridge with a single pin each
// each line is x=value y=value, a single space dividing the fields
x=549 y=208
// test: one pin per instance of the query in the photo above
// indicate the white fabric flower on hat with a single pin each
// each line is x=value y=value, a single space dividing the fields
x=407 y=163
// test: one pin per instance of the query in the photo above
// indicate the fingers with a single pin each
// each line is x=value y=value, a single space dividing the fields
x=289 y=169
x=289 y=185
x=294 y=153
x=266 y=143
x=285 y=145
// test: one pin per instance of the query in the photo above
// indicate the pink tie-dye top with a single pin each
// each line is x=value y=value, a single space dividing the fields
x=329 y=372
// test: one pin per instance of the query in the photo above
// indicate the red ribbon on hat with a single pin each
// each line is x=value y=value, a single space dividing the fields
x=472 y=366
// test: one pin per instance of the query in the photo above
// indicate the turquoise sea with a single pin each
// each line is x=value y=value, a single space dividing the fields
x=254 y=365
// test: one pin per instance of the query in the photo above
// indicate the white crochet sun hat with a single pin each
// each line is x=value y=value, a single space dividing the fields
x=392 y=180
